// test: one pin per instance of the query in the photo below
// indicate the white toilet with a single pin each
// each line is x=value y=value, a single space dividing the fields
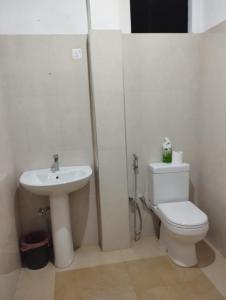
x=182 y=223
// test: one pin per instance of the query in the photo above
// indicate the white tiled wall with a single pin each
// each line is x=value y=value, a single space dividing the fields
x=160 y=85
x=48 y=101
x=213 y=134
x=162 y=88
x=9 y=257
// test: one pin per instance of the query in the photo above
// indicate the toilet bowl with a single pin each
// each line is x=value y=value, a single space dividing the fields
x=182 y=223
x=182 y=226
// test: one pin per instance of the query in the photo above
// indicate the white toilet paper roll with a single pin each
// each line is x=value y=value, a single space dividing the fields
x=177 y=157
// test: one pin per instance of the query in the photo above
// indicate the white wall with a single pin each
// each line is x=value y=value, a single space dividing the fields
x=43 y=17
x=110 y=14
x=70 y=16
x=63 y=17
x=104 y=14
x=204 y=14
x=124 y=15
x=195 y=20
x=214 y=12
x=115 y=14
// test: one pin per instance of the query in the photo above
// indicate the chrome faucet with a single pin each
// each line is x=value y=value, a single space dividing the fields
x=55 y=166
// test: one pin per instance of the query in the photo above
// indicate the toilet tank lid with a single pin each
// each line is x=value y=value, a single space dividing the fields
x=158 y=168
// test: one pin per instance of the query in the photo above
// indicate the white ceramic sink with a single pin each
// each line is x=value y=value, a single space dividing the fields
x=46 y=182
x=57 y=185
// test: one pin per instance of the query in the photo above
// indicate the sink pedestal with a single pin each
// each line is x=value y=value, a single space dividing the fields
x=61 y=230
x=58 y=185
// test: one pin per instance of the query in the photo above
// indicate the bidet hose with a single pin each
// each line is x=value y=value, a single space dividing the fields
x=137 y=211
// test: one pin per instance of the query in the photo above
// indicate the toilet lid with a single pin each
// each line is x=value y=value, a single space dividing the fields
x=183 y=213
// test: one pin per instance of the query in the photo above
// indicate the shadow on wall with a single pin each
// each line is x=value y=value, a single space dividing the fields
x=192 y=192
x=29 y=205
x=29 y=220
x=80 y=206
x=9 y=260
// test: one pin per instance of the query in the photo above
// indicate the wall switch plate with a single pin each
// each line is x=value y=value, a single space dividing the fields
x=76 y=53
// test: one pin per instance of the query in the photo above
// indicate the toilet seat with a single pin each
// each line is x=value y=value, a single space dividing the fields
x=184 y=215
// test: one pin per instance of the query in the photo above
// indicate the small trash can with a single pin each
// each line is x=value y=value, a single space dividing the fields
x=34 y=249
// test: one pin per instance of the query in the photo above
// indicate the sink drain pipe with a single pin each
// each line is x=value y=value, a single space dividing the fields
x=43 y=212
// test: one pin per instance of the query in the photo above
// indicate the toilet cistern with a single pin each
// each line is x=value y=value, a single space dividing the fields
x=55 y=166
x=182 y=223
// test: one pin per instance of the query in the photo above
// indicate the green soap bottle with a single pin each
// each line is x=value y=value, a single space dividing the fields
x=167 y=151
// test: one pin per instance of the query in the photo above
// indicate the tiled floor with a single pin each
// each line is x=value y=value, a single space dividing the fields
x=40 y=284
x=155 y=278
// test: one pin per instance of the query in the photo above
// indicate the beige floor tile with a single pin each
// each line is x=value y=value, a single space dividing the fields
x=102 y=282
x=91 y=256
x=84 y=257
x=127 y=294
x=161 y=293
x=8 y=282
x=216 y=271
x=159 y=271
x=128 y=254
x=153 y=278
x=177 y=292
x=147 y=247
x=159 y=278
x=36 y=285
x=141 y=277
x=150 y=274
x=200 y=289
x=111 y=257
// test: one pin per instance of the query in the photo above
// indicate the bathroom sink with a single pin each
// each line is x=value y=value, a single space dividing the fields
x=46 y=182
x=57 y=185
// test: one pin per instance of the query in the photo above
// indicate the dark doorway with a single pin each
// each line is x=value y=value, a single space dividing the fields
x=159 y=16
